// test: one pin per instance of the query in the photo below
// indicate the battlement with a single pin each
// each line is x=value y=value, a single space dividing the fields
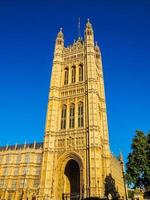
x=75 y=48
x=35 y=145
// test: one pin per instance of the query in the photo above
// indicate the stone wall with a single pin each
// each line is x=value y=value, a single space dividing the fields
x=20 y=168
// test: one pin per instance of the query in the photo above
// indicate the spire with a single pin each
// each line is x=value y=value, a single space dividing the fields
x=60 y=38
x=89 y=35
x=97 y=47
x=7 y=146
x=25 y=144
x=60 y=34
x=121 y=158
x=16 y=146
x=34 y=145
x=88 y=24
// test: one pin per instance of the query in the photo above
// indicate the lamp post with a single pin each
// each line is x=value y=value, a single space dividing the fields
x=124 y=179
x=125 y=188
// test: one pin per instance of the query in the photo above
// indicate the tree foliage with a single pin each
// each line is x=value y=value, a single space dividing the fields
x=138 y=165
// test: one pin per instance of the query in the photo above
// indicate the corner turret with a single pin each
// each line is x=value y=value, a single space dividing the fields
x=89 y=34
x=60 y=39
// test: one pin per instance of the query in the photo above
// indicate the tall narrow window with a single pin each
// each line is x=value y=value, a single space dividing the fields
x=66 y=73
x=73 y=74
x=80 y=114
x=63 y=117
x=72 y=114
x=80 y=72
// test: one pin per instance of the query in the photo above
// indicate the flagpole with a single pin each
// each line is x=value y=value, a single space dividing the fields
x=79 y=28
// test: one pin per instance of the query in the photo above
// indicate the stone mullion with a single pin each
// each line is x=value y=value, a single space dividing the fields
x=76 y=113
x=105 y=139
x=68 y=115
x=92 y=118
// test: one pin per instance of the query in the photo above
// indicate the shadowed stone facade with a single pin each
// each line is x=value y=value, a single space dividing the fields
x=76 y=158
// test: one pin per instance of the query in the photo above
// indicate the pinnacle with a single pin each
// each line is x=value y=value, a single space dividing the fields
x=88 y=24
x=60 y=33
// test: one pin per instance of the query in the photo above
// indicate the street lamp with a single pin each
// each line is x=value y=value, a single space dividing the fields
x=123 y=173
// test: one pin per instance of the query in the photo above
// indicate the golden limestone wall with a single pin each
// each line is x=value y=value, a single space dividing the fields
x=70 y=100
x=75 y=153
x=20 y=168
x=117 y=174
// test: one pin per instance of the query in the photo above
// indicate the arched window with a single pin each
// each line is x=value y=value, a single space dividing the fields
x=73 y=74
x=66 y=73
x=80 y=114
x=89 y=32
x=80 y=72
x=63 y=117
x=72 y=114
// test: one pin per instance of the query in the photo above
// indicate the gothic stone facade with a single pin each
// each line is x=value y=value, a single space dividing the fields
x=20 y=168
x=76 y=158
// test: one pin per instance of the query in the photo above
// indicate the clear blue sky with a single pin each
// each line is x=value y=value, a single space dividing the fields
x=27 y=36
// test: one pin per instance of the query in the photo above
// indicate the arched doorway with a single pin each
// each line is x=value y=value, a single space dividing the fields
x=71 y=181
x=33 y=198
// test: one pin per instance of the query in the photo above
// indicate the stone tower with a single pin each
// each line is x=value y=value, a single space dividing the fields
x=76 y=154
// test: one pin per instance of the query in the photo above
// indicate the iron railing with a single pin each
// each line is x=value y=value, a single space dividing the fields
x=70 y=196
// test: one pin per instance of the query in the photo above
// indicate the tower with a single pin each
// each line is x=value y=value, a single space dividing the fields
x=76 y=155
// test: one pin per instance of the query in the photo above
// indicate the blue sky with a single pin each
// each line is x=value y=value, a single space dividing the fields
x=27 y=36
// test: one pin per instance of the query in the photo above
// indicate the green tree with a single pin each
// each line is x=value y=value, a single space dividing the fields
x=137 y=161
x=147 y=169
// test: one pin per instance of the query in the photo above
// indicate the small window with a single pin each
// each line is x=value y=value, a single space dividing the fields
x=73 y=74
x=5 y=172
x=37 y=171
x=22 y=183
x=27 y=158
x=66 y=73
x=59 y=42
x=36 y=183
x=9 y=195
x=25 y=170
x=72 y=116
x=14 y=183
x=39 y=159
x=89 y=32
x=80 y=72
x=16 y=170
x=18 y=158
x=8 y=159
x=1 y=183
x=1 y=159
x=80 y=114
x=63 y=117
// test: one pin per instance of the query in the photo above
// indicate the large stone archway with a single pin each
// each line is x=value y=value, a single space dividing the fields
x=69 y=180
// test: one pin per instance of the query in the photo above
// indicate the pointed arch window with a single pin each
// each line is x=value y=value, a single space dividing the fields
x=66 y=75
x=89 y=32
x=80 y=72
x=73 y=74
x=63 y=117
x=72 y=116
x=80 y=114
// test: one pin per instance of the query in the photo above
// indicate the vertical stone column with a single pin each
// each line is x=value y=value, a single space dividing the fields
x=97 y=149
x=103 y=112
x=47 y=175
